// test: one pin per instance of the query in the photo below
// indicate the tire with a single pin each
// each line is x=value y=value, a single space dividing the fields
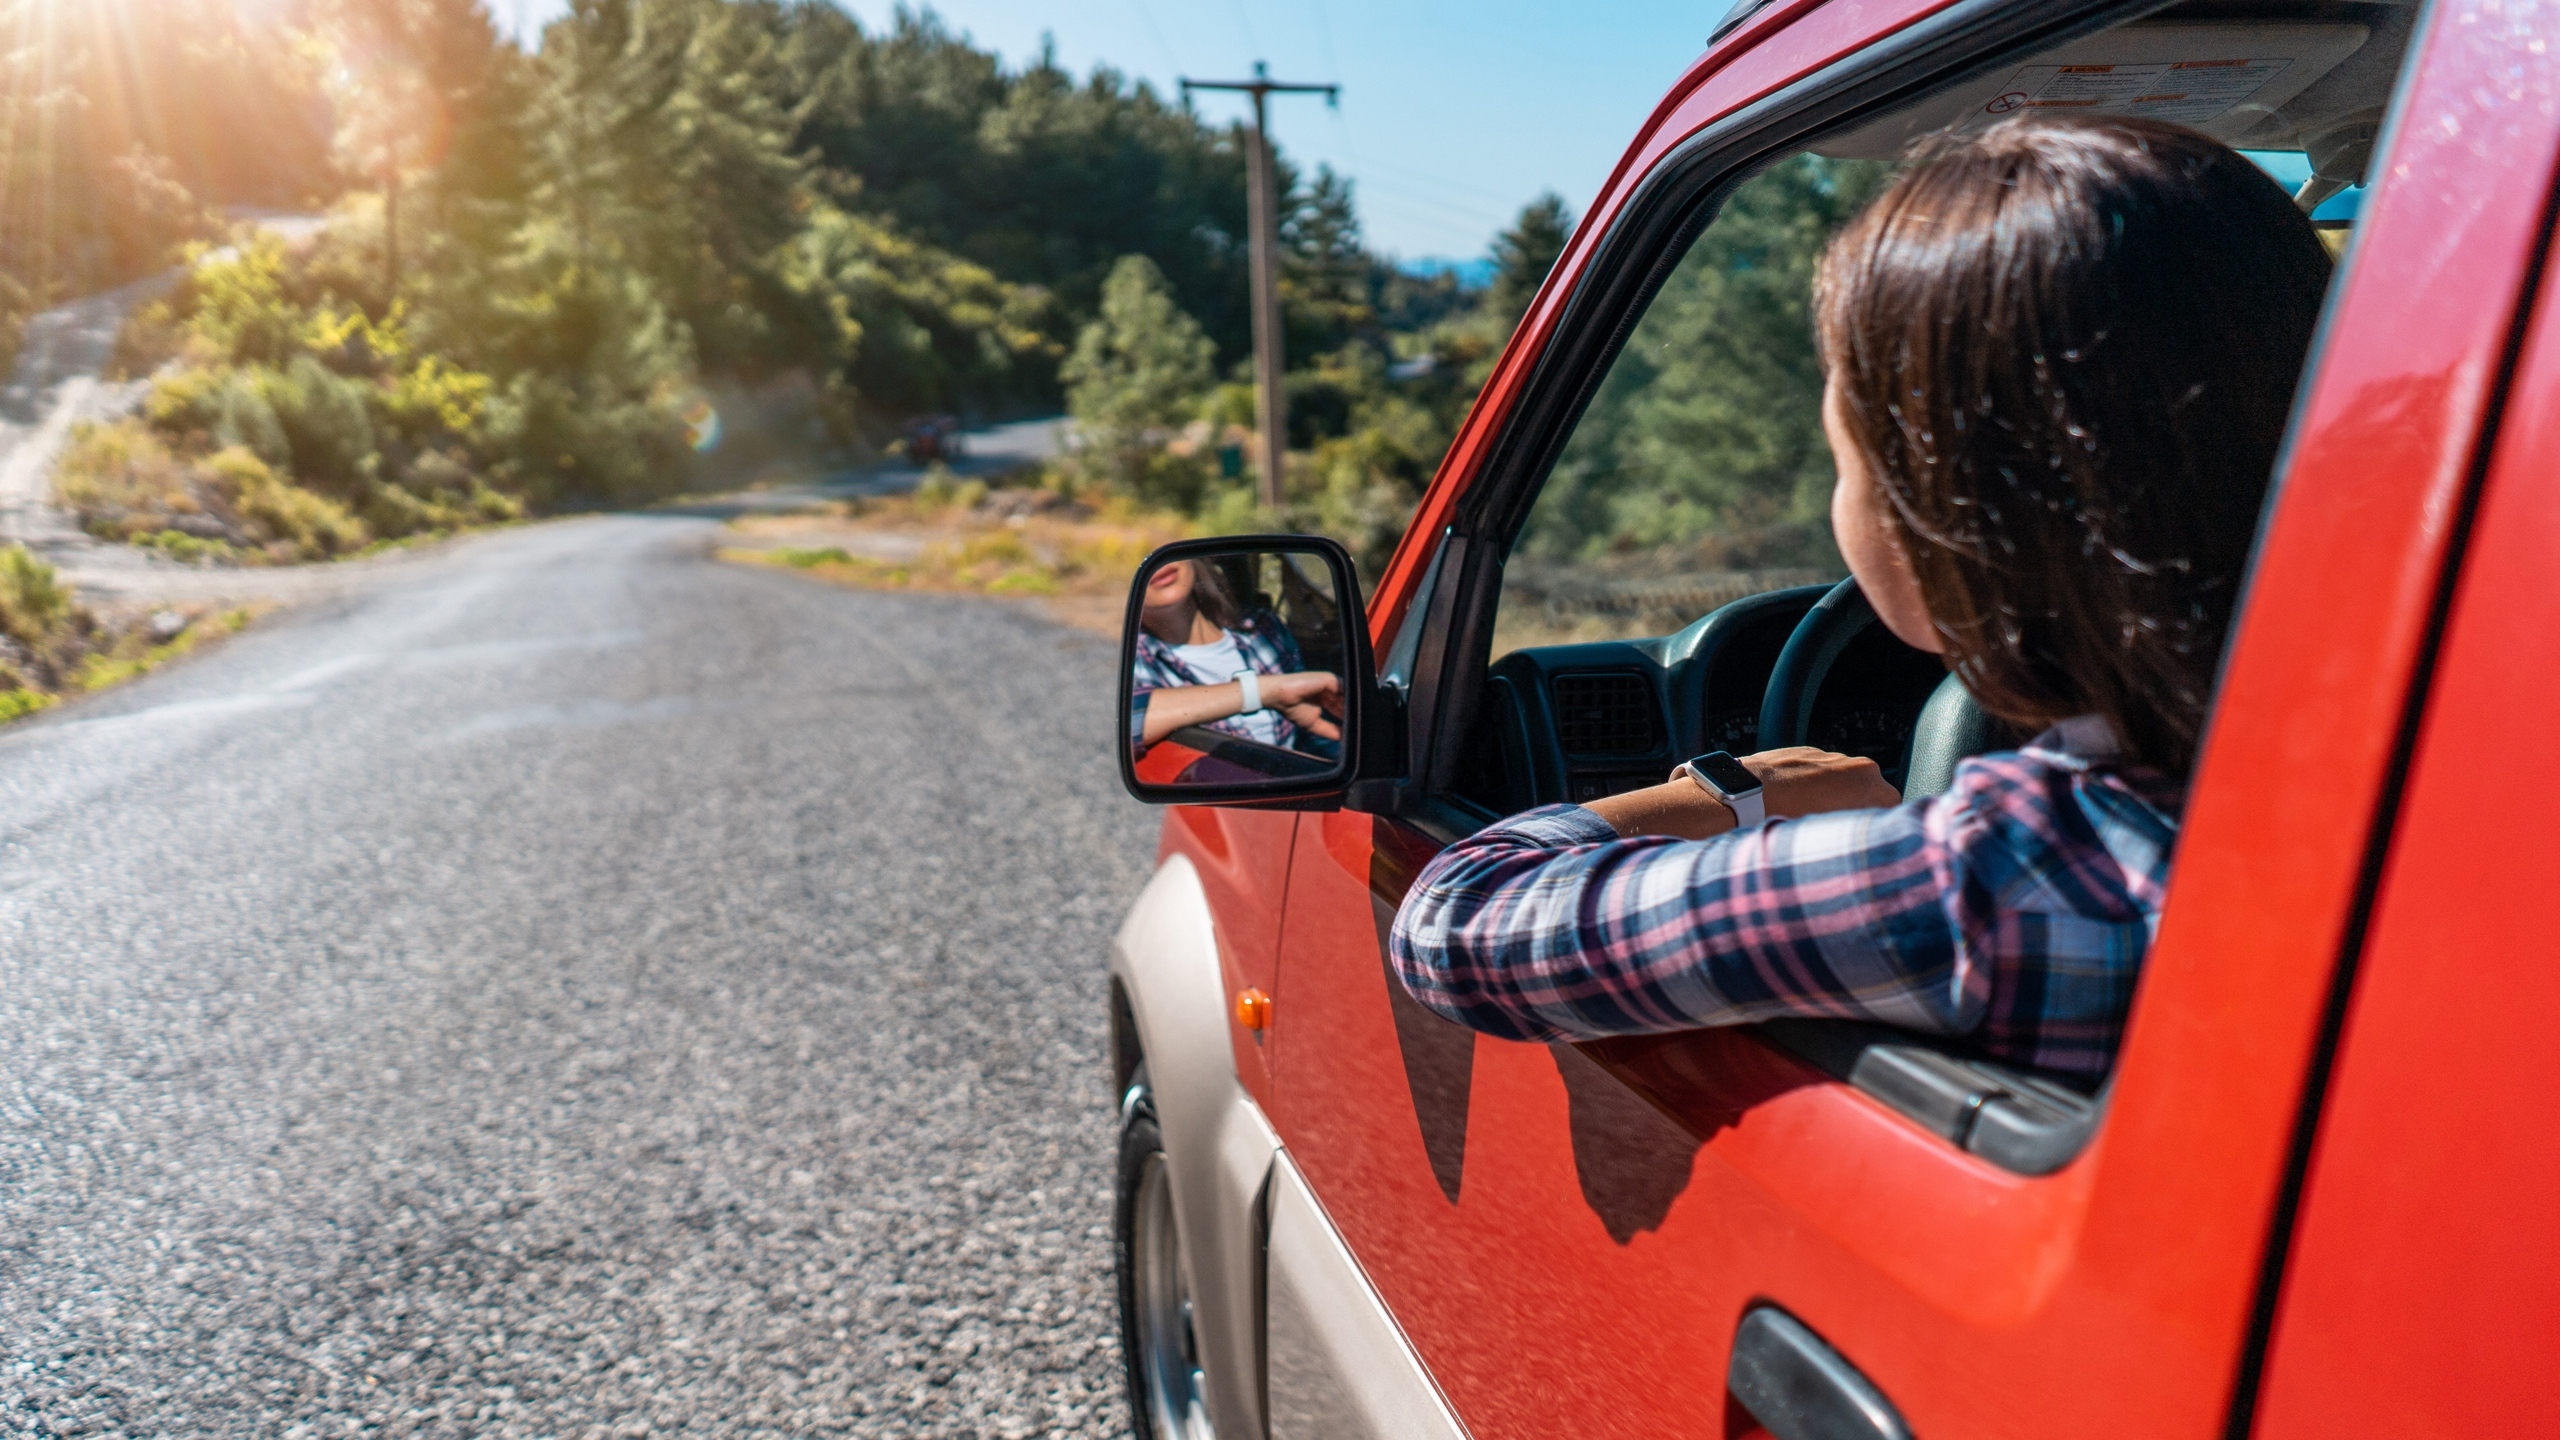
x=1168 y=1391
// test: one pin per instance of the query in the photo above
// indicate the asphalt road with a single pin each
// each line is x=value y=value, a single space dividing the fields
x=569 y=988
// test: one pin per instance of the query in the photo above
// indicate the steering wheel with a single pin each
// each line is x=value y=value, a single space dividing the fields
x=1951 y=725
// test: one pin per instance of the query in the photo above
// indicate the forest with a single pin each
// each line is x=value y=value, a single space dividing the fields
x=679 y=243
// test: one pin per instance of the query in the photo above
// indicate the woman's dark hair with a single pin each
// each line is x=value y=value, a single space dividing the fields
x=1212 y=595
x=2068 y=349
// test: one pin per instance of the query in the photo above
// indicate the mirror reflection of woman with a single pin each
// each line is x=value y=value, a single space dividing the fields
x=1203 y=660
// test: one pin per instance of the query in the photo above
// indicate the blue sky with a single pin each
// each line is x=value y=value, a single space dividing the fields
x=1454 y=113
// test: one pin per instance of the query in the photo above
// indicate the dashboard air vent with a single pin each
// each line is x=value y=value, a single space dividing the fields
x=1609 y=713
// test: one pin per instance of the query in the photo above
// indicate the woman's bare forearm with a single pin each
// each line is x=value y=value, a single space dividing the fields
x=1678 y=808
x=1172 y=708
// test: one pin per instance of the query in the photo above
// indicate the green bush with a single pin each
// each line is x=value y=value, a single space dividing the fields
x=940 y=490
x=221 y=407
x=305 y=427
x=236 y=308
x=416 y=506
x=191 y=549
x=566 y=440
x=304 y=524
x=326 y=425
x=42 y=629
x=805 y=559
x=121 y=480
x=301 y=419
x=34 y=605
x=20 y=701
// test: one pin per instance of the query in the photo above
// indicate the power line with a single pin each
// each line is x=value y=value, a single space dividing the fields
x=1435 y=180
x=1245 y=25
x=1411 y=193
x=1471 y=235
x=1414 y=204
x=1324 y=44
x=1148 y=16
x=1324 y=41
x=1433 y=210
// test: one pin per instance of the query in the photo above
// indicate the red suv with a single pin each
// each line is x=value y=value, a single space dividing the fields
x=2308 y=1201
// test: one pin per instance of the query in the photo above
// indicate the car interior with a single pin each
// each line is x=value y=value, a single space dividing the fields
x=1666 y=585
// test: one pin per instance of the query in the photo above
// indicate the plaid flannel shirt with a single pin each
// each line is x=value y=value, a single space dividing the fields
x=2012 y=910
x=1261 y=639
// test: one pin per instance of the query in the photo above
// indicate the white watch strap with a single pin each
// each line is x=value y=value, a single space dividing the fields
x=1748 y=810
x=1251 y=685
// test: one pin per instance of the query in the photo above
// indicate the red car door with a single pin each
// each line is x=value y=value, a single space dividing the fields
x=1570 y=1235
x=2422 y=1292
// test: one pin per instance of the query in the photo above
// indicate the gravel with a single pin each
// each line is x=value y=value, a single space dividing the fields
x=570 y=988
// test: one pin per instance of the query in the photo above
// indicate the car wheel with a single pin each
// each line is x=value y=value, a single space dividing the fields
x=1168 y=1392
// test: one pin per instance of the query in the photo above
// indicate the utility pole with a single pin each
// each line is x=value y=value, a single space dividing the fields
x=1262 y=211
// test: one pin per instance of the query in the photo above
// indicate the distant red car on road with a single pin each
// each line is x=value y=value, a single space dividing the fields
x=2318 y=1194
x=928 y=439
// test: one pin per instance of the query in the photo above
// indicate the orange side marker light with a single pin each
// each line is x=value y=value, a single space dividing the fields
x=1253 y=1009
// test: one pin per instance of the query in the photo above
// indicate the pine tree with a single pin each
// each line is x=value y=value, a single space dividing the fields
x=1041 y=178
x=597 y=141
x=1325 y=272
x=1523 y=254
x=914 y=328
x=1137 y=373
x=386 y=105
x=1709 y=423
x=659 y=144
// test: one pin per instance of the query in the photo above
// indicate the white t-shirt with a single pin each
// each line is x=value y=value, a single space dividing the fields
x=1219 y=662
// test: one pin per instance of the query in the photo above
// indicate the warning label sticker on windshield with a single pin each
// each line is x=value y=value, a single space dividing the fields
x=2187 y=92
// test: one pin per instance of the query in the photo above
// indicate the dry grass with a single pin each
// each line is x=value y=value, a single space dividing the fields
x=136 y=653
x=229 y=507
x=125 y=483
x=1074 y=560
x=51 y=647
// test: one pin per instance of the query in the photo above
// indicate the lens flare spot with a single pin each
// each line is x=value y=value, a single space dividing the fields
x=702 y=426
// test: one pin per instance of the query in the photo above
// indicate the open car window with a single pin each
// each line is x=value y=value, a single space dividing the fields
x=1681 y=533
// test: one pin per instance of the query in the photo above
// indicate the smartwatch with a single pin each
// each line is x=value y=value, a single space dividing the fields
x=1727 y=779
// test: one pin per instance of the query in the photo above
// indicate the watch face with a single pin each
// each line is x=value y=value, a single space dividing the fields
x=1729 y=774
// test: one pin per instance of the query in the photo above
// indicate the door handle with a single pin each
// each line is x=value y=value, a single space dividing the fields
x=1799 y=1388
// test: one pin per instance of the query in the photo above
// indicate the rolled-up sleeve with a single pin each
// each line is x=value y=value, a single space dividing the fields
x=1549 y=926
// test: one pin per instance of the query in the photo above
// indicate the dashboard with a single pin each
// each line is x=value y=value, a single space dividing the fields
x=1579 y=722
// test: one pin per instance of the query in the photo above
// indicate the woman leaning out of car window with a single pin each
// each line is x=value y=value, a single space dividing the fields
x=2059 y=358
x=1203 y=661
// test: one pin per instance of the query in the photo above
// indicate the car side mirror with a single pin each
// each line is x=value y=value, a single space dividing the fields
x=1245 y=674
